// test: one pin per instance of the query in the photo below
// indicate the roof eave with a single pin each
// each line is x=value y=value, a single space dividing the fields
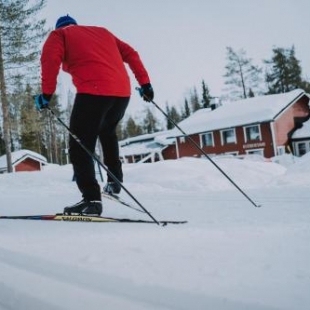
x=289 y=104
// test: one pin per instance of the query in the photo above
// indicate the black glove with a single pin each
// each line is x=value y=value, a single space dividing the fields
x=41 y=101
x=146 y=92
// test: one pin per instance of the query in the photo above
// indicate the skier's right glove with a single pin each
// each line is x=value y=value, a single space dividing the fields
x=41 y=101
x=146 y=92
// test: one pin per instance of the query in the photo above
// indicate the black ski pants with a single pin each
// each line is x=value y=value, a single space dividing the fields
x=95 y=117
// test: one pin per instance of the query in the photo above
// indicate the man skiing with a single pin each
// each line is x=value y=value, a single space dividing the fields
x=94 y=58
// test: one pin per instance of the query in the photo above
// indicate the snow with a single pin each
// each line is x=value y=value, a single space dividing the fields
x=303 y=132
x=229 y=256
x=145 y=144
x=140 y=148
x=238 y=113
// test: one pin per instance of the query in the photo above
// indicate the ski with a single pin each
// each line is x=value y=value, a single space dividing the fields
x=117 y=199
x=85 y=218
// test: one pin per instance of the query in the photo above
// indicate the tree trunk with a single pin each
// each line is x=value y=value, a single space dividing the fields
x=5 y=112
x=242 y=81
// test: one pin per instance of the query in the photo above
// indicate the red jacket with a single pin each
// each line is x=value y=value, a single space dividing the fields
x=94 y=58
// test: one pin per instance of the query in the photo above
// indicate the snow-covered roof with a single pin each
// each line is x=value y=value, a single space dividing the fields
x=140 y=148
x=238 y=113
x=303 y=132
x=20 y=155
x=146 y=144
x=145 y=137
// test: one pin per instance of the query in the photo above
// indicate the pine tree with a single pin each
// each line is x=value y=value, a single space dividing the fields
x=52 y=132
x=16 y=98
x=20 y=36
x=119 y=131
x=284 y=72
x=250 y=93
x=194 y=100
x=241 y=74
x=131 y=129
x=186 y=111
x=206 y=98
x=305 y=85
x=168 y=113
x=173 y=115
x=30 y=124
x=150 y=123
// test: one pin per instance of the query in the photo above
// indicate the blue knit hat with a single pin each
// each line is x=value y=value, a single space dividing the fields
x=64 y=21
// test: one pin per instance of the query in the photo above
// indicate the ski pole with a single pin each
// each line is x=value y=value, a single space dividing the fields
x=201 y=150
x=95 y=157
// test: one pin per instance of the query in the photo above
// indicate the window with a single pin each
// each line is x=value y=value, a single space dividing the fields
x=228 y=136
x=252 y=133
x=182 y=139
x=281 y=150
x=301 y=148
x=207 y=139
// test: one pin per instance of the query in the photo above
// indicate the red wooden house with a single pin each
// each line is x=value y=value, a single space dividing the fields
x=23 y=160
x=300 y=140
x=260 y=125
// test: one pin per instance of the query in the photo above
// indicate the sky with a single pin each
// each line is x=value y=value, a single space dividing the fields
x=230 y=255
x=184 y=42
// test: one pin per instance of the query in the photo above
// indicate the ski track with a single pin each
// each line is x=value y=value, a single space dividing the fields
x=230 y=256
x=26 y=283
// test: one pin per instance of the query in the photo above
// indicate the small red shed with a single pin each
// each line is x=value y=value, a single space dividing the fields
x=23 y=160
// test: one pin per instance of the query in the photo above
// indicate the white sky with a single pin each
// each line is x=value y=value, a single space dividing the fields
x=183 y=42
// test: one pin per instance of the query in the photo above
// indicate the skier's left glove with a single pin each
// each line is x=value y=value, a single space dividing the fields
x=41 y=101
x=146 y=92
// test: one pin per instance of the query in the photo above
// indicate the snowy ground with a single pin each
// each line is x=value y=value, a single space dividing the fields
x=230 y=255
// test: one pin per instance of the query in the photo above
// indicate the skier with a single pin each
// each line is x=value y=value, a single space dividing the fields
x=94 y=57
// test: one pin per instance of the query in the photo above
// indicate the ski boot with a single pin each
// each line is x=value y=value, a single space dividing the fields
x=112 y=188
x=85 y=207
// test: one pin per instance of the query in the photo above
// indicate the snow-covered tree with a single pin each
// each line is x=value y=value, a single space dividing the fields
x=241 y=75
x=20 y=36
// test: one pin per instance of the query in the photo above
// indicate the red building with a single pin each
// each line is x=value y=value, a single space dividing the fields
x=260 y=125
x=23 y=160
x=268 y=125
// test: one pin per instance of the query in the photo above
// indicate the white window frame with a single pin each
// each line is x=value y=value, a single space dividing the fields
x=280 y=150
x=202 y=139
x=297 y=149
x=246 y=136
x=222 y=136
x=182 y=139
